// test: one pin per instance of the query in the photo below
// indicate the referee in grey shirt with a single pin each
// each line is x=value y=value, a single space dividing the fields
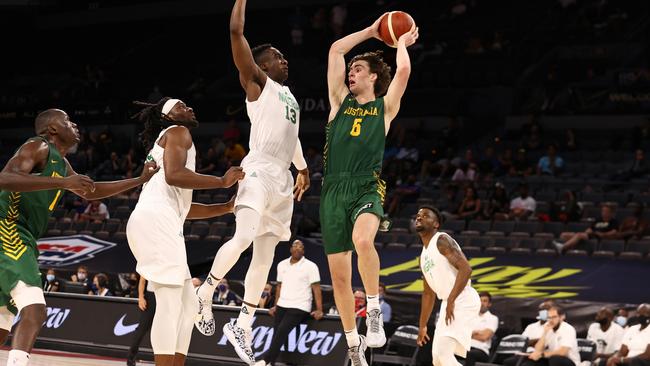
x=298 y=278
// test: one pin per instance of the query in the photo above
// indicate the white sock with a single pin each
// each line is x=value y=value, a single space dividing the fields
x=352 y=337
x=372 y=302
x=17 y=358
x=246 y=314
x=206 y=290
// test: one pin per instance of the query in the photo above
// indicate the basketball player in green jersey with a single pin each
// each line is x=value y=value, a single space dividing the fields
x=353 y=193
x=31 y=184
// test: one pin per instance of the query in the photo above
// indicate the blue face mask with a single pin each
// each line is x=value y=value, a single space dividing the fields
x=50 y=277
x=222 y=288
x=542 y=315
x=621 y=320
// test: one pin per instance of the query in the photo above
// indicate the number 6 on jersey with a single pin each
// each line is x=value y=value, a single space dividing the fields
x=356 y=127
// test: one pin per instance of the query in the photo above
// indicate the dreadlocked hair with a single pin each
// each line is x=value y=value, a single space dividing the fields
x=154 y=122
x=377 y=66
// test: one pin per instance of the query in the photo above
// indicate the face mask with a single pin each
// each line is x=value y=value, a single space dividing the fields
x=643 y=319
x=265 y=294
x=621 y=320
x=81 y=276
x=50 y=277
x=222 y=288
x=542 y=315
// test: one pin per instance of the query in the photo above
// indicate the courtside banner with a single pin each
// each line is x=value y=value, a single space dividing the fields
x=111 y=323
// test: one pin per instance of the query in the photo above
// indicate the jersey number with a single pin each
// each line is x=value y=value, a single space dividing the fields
x=356 y=127
x=58 y=193
x=290 y=114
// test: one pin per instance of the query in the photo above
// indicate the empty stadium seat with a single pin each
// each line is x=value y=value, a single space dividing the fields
x=615 y=246
x=505 y=226
x=455 y=225
x=479 y=225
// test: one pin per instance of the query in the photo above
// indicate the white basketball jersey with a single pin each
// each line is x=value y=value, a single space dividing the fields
x=275 y=118
x=438 y=272
x=157 y=191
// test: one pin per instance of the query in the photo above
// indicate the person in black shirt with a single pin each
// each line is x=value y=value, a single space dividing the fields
x=604 y=227
x=51 y=283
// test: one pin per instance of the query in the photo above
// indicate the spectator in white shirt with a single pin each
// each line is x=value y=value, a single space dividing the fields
x=483 y=332
x=607 y=335
x=96 y=212
x=298 y=278
x=524 y=205
x=635 y=348
x=534 y=330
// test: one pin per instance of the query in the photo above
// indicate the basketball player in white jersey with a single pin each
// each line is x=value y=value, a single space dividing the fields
x=264 y=203
x=446 y=272
x=155 y=228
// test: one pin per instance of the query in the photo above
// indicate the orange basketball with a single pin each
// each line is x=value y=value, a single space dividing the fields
x=393 y=25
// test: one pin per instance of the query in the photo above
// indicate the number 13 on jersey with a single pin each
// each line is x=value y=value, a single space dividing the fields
x=356 y=127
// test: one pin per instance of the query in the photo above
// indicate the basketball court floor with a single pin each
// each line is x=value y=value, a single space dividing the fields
x=55 y=358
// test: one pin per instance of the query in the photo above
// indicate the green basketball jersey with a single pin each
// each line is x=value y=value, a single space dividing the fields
x=27 y=213
x=355 y=138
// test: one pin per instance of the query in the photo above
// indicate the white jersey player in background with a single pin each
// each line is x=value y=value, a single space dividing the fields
x=155 y=228
x=264 y=203
x=446 y=272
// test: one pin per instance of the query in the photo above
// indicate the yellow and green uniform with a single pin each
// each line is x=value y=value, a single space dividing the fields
x=23 y=219
x=354 y=152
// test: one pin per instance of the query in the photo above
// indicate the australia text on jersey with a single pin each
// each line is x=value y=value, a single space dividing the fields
x=360 y=112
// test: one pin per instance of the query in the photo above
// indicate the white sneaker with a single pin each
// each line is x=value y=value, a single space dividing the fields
x=204 y=319
x=558 y=246
x=357 y=354
x=375 y=335
x=241 y=339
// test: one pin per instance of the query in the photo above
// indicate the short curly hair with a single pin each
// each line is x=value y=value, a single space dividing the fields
x=377 y=66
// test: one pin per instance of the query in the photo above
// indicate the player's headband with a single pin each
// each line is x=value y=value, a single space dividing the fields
x=169 y=105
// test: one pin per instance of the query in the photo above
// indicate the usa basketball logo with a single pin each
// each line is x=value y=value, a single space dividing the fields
x=66 y=250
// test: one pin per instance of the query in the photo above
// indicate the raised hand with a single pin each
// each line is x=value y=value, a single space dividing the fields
x=232 y=176
x=409 y=37
x=374 y=28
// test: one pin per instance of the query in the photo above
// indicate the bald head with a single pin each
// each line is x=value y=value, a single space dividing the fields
x=643 y=309
x=48 y=117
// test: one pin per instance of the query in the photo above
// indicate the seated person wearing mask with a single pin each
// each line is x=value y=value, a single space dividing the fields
x=635 y=348
x=606 y=334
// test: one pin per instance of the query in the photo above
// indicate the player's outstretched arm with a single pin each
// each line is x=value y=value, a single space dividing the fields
x=205 y=211
x=177 y=141
x=251 y=77
x=17 y=175
x=337 y=90
x=397 y=86
x=426 y=307
x=108 y=189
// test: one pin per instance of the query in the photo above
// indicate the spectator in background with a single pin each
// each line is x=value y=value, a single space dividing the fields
x=234 y=152
x=133 y=281
x=606 y=334
x=483 y=332
x=96 y=211
x=266 y=300
x=633 y=227
x=622 y=316
x=155 y=95
x=470 y=206
x=360 y=303
x=406 y=192
x=111 y=169
x=489 y=165
x=550 y=164
x=101 y=284
x=224 y=296
x=568 y=210
x=521 y=166
x=523 y=206
x=635 y=348
x=557 y=346
x=385 y=307
x=338 y=14
x=604 y=227
x=147 y=306
x=464 y=173
x=232 y=132
x=497 y=206
x=570 y=143
x=314 y=162
x=51 y=283
x=637 y=169
x=82 y=277
x=505 y=162
x=298 y=286
x=534 y=330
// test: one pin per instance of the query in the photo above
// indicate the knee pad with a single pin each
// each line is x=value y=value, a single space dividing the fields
x=25 y=295
x=6 y=318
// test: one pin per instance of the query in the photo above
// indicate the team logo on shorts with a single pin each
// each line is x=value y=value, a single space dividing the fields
x=65 y=250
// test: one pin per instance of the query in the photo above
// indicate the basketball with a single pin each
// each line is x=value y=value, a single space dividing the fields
x=393 y=25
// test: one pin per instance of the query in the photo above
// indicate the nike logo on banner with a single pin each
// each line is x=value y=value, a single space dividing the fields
x=121 y=329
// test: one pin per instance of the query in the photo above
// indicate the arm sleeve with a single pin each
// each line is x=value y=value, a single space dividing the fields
x=314 y=275
x=298 y=159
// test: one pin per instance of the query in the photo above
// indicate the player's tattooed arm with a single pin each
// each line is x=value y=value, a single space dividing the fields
x=451 y=251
